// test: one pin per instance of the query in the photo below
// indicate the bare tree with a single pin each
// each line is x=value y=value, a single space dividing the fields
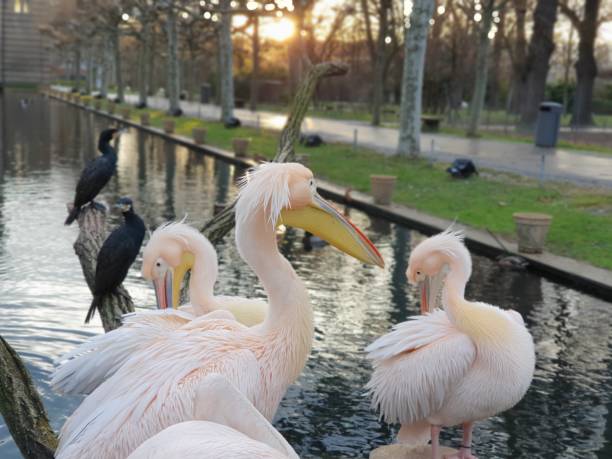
x=586 y=66
x=415 y=44
x=377 y=50
x=482 y=64
x=541 y=48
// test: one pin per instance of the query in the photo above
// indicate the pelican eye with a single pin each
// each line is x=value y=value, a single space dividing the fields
x=158 y=264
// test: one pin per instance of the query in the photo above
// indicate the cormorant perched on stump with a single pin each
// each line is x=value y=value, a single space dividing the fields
x=117 y=254
x=95 y=175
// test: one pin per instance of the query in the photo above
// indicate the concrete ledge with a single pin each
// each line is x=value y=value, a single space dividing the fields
x=573 y=273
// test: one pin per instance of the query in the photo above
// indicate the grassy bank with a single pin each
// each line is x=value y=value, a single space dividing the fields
x=582 y=218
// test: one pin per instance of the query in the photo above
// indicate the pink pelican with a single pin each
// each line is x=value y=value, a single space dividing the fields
x=227 y=426
x=454 y=366
x=155 y=387
x=172 y=251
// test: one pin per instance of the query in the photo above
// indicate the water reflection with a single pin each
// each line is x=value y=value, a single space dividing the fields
x=44 y=299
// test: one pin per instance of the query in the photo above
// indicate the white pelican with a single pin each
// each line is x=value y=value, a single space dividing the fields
x=228 y=426
x=454 y=366
x=155 y=387
x=172 y=250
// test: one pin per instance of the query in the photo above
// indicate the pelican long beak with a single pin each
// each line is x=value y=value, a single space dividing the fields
x=431 y=289
x=187 y=260
x=163 y=289
x=323 y=220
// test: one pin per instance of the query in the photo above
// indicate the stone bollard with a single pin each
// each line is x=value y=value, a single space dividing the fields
x=168 y=126
x=531 y=229
x=382 y=188
x=199 y=135
x=241 y=147
x=145 y=119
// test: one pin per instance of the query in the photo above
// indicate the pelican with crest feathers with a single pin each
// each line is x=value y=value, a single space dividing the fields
x=156 y=387
x=456 y=365
x=172 y=251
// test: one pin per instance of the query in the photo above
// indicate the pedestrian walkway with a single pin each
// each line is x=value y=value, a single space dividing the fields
x=584 y=168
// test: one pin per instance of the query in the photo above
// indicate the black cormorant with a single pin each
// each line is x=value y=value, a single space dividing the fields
x=95 y=175
x=117 y=255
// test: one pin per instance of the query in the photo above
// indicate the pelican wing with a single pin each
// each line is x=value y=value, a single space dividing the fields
x=246 y=310
x=82 y=370
x=415 y=366
x=154 y=389
x=202 y=439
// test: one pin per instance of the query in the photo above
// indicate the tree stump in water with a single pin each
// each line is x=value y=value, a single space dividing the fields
x=92 y=234
x=399 y=451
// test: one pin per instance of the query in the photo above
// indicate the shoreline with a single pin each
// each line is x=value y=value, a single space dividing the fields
x=568 y=271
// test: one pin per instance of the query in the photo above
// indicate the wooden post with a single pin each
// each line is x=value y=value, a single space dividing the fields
x=92 y=234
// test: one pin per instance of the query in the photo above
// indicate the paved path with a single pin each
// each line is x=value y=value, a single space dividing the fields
x=548 y=164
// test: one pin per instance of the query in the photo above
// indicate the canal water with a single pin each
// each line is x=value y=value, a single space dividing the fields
x=44 y=299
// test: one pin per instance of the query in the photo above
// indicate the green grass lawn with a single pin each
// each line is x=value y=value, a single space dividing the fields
x=582 y=218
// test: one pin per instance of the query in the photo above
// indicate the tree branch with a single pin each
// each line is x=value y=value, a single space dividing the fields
x=223 y=222
x=22 y=408
x=92 y=234
x=571 y=15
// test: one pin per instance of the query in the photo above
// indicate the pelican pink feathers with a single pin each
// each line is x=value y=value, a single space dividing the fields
x=454 y=366
x=158 y=386
x=227 y=426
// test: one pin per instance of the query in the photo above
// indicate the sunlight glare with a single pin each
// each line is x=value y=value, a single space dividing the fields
x=279 y=30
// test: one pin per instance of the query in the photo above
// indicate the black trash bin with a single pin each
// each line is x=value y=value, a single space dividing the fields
x=205 y=93
x=548 y=124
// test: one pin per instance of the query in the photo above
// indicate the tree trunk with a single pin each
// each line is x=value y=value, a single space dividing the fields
x=224 y=221
x=174 y=84
x=117 y=58
x=92 y=234
x=519 y=57
x=255 y=73
x=22 y=408
x=482 y=69
x=415 y=45
x=541 y=48
x=226 y=61
x=104 y=61
x=378 y=90
x=77 y=68
x=586 y=66
x=89 y=76
x=567 y=65
x=145 y=60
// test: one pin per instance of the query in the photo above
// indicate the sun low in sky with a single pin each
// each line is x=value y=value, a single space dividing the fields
x=278 y=29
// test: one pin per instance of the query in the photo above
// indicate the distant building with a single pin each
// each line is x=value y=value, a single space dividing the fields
x=24 y=50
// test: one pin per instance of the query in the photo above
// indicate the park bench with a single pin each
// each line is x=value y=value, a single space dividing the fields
x=431 y=123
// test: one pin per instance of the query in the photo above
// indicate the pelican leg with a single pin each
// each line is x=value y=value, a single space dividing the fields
x=435 y=441
x=465 y=452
